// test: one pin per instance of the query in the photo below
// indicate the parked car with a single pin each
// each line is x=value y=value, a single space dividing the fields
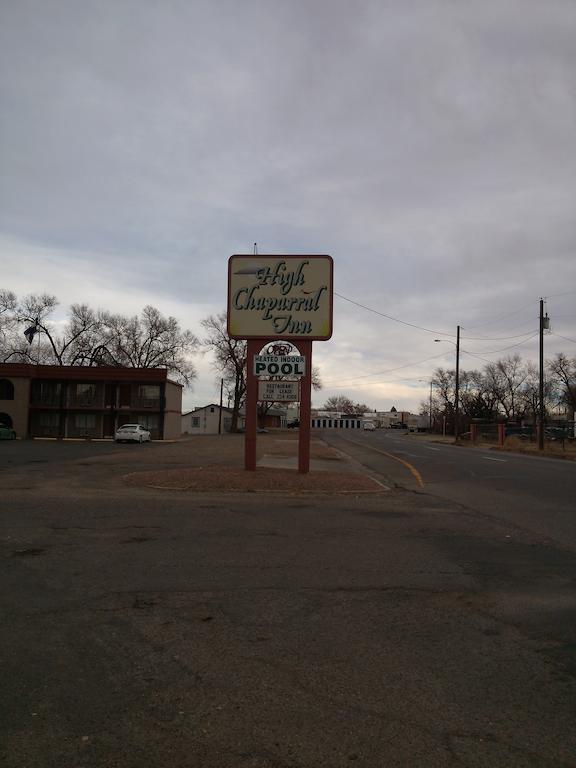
x=132 y=433
x=7 y=433
x=369 y=425
x=522 y=433
x=294 y=424
x=559 y=433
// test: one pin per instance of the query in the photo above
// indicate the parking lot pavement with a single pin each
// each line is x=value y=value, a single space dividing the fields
x=106 y=465
x=156 y=628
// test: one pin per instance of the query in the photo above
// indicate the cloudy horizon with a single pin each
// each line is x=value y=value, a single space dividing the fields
x=428 y=147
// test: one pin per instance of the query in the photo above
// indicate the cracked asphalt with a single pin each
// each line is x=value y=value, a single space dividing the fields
x=150 y=628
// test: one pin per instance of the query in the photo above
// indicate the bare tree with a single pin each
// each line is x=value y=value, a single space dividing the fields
x=505 y=380
x=148 y=341
x=476 y=397
x=30 y=321
x=562 y=371
x=343 y=404
x=443 y=383
x=7 y=321
x=90 y=337
x=229 y=361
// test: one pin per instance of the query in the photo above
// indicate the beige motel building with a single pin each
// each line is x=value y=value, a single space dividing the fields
x=84 y=402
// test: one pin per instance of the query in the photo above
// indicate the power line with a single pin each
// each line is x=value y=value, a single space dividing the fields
x=501 y=317
x=388 y=370
x=573 y=341
x=428 y=330
x=511 y=346
x=395 y=319
x=565 y=293
x=497 y=338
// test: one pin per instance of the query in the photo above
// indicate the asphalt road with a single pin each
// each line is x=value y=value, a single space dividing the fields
x=147 y=629
x=533 y=493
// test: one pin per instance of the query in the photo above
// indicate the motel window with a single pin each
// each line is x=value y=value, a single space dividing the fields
x=149 y=391
x=6 y=389
x=148 y=420
x=46 y=391
x=85 y=420
x=49 y=419
x=86 y=393
x=195 y=421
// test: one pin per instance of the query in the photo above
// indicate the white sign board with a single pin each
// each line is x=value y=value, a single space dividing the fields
x=287 y=297
x=279 y=391
x=279 y=365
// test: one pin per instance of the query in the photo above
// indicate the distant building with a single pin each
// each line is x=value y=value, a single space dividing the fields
x=335 y=420
x=392 y=419
x=85 y=402
x=206 y=420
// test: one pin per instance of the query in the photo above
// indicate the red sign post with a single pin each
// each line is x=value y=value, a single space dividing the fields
x=274 y=299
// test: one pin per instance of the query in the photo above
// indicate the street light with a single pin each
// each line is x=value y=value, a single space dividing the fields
x=457 y=383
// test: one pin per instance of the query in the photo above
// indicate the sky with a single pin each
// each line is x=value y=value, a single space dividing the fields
x=428 y=146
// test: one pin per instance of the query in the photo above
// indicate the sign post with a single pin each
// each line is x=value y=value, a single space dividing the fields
x=305 y=411
x=251 y=408
x=279 y=299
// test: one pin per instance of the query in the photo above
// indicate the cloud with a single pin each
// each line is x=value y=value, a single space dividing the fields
x=429 y=147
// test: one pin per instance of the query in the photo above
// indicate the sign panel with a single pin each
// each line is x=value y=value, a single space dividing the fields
x=279 y=365
x=280 y=296
x=279 y=391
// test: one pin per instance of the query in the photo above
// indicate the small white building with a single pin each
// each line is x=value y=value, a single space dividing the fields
x=208 y=420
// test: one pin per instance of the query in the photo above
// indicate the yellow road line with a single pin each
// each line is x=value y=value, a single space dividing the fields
x=407 y=464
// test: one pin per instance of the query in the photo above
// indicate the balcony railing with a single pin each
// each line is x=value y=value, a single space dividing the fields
x=51 y=400
x=86 y=401
x=96 y=401
x=147 y=403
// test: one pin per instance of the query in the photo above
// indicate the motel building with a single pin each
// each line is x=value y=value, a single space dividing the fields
x=84 y=402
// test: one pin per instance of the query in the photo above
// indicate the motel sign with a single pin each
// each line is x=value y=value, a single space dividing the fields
x=279 y=299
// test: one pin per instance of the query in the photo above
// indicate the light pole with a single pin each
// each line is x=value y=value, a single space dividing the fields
x=457 y=382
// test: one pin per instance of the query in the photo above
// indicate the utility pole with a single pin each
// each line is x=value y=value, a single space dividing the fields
x=541 y=382
x=430 y=414
x=457 y=387
x=220 y=409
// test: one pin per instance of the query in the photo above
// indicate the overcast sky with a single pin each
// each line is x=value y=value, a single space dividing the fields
x=429 y=147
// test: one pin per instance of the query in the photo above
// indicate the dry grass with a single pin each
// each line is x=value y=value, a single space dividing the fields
x=232 y=480
x=551 y=448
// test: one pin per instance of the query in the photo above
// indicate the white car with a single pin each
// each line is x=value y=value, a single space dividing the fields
x=369 y=425
x=132 y=433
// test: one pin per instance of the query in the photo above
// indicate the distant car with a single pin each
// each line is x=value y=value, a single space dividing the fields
x=294 y=424
x=523 y=433
x=399 y=425
x=132 y=433
x=369 y=425
x=7 y=433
